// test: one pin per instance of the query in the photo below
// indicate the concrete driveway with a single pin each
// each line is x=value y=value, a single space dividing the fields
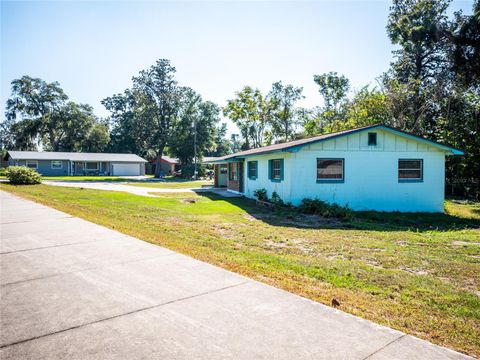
x=71 y=289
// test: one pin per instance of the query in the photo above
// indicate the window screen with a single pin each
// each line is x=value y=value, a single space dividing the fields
x=252 y=169
x=92 y=166
x=32 y=164
x=57 y=164
x=330 y=169
x=276 y=169
x=410 y=169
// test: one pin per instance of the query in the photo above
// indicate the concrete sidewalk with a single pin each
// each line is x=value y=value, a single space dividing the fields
x=71 y=289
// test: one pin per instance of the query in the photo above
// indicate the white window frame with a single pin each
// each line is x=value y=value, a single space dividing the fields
x=277 y=172
x=54 y=167
x=29 y=162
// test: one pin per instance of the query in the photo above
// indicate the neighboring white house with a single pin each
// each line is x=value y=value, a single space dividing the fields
x=371 y=168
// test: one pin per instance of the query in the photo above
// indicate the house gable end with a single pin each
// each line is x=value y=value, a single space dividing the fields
x=388 y=139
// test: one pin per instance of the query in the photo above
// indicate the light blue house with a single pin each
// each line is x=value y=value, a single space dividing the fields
x=371 y=168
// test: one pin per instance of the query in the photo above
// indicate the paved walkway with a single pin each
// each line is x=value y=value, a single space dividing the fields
x=71 y=289
x=137 y=190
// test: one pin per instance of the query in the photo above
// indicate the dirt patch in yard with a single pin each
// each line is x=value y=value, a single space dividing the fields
x=461 y=243
x=189 y=201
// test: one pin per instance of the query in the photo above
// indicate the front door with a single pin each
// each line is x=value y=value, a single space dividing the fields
x=221 y=173
x=235 y=176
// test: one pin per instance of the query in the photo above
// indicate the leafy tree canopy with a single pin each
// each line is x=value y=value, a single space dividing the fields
x=38 y=113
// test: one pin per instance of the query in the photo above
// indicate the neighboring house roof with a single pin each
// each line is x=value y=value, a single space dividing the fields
x=205 y=160
x=170 y=159
x=73 y=156
x=210 y=159
x=297 y=144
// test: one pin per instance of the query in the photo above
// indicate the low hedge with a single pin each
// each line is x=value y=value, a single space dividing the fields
x=22 y=175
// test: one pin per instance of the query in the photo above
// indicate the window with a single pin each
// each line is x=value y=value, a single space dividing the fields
x=372 y=139
x=330 y=170
x=252 y=169
x=275 y=169
x=32 y=164
x=223 y=169
x=233 y=172
x=410 y=170
x=57 y=164
x=91 y=166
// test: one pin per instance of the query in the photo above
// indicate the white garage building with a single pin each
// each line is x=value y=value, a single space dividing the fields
x=76 y=163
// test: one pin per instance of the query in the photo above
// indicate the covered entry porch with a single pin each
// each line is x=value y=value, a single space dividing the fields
x=229 y=174
x=106 y=168
x=92 y=168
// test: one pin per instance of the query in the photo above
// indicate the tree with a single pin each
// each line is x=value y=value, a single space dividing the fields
x=157 y=100
x=97 y=138
x=460 y=127
x=309 y=121
x=125 y=135
x=194 y=131
x=251 y=111
x=416 y=26
x=221 y=145
x=333 y=88
x=74 y=127
x=236 y=143
x=464 y=46
x=38 y=112
x=157 y=115
x=19 y=135
x=368 y=107
x=284 y=120
x=33 y=100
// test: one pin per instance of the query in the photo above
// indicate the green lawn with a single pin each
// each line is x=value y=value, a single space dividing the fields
x=166 y=183
x=171 y=184
x=91 y=178
x=419 y=273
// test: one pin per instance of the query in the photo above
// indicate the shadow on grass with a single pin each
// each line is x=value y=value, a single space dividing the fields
x=362 y=220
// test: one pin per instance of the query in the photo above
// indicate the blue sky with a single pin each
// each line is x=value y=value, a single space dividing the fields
x=94 y=48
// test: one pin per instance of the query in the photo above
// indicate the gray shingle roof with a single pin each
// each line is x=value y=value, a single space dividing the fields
x=73 y=156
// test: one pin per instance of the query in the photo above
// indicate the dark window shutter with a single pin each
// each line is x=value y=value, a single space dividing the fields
x=269 y=169
x=281 y=169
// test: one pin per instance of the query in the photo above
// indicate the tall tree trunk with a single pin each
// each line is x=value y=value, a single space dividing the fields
x=158 y=163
